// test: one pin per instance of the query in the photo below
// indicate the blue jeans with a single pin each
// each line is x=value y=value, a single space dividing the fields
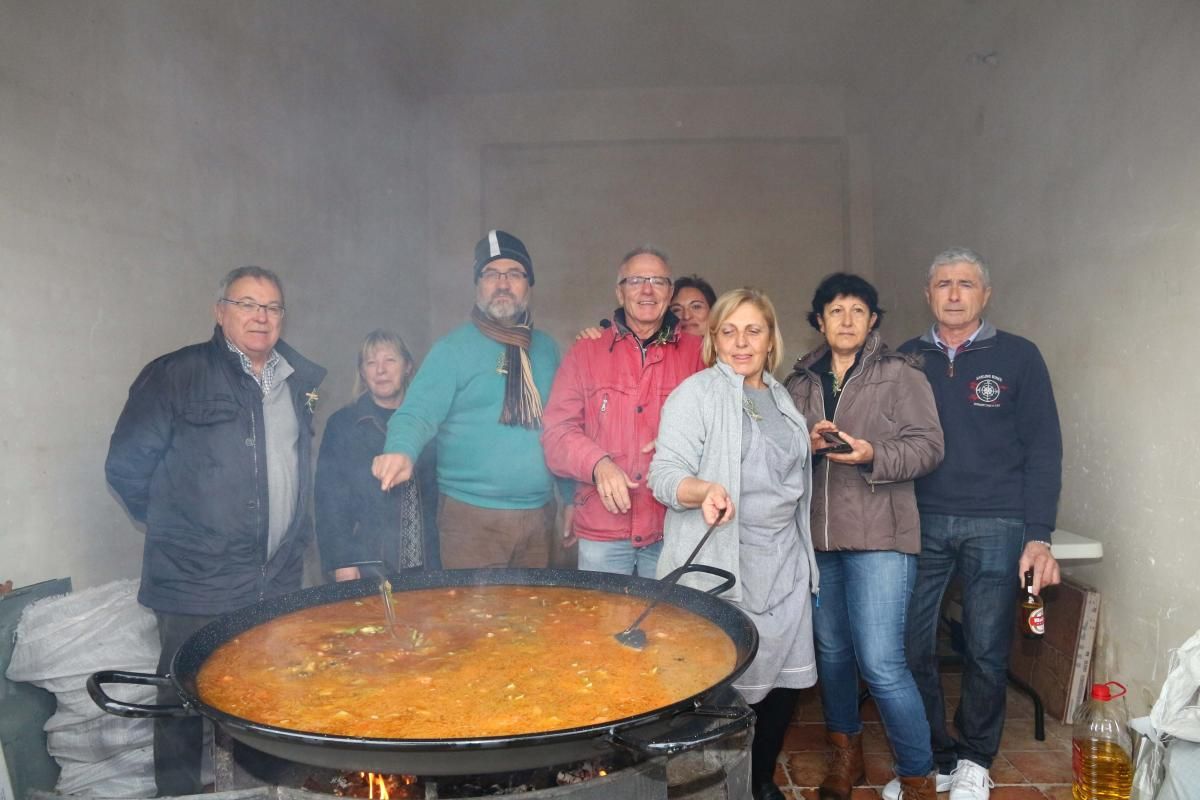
x=984 y=553
x=619 y=556
x=859 y=628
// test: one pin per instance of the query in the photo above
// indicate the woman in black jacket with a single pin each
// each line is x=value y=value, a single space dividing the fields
x=356 y=521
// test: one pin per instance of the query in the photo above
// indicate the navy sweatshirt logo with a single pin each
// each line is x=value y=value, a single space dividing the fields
x=987 y=390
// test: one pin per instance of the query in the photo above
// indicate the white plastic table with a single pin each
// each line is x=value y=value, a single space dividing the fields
x=1067 y=546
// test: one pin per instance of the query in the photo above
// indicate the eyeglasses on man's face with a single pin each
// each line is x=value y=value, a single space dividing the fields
x=510 y=275
x=634 y=281
x=274 y=310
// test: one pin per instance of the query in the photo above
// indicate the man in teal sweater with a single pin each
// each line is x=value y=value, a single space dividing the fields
x=480 y=392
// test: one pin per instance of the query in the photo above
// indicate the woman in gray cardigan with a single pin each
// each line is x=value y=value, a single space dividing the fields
x=732 y=447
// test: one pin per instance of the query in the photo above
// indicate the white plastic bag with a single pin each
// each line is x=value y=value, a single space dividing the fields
x=1149 y=752
x=127 y=774
x=1182 y=778
x=1176 y=712
x=61 y=641
x=1167 y=762
x=99 y=739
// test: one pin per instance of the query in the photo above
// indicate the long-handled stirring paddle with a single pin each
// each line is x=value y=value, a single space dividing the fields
x=385 y=590
x=635 y=637
x=389 y=611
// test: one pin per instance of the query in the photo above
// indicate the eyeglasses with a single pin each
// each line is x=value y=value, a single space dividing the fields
x=657 y=281
x=274 y=310
x=512 y=275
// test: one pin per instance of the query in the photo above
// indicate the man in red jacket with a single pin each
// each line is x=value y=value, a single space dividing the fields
x=600 y=424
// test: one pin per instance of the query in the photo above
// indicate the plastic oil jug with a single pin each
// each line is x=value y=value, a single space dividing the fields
x=1101 y=750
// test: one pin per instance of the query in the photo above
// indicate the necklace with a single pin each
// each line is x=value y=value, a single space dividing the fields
x=837 y=382
x=751 y=409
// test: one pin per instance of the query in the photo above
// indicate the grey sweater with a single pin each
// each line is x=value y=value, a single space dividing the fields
x=700 y=436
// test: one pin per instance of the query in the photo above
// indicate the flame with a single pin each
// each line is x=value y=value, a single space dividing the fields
x=375 y=781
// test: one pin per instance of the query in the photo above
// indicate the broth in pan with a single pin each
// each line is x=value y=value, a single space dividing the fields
x=464 y=662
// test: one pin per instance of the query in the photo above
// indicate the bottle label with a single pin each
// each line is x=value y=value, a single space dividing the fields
x=1037 y=621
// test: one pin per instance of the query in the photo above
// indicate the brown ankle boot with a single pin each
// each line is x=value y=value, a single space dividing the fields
x=923 y=788
x=845 y=766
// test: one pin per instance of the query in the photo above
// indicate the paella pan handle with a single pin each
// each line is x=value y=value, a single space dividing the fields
x=727 y=581
x=737 y=719
x=138 y=710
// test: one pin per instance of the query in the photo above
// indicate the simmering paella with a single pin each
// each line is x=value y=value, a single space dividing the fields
x=463 y=662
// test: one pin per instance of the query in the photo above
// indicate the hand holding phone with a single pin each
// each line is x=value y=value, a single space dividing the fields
x=836 y=444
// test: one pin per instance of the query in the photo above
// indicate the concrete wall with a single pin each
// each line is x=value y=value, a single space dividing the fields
x=758 y=186
x=1073 y=164
x=146 y=148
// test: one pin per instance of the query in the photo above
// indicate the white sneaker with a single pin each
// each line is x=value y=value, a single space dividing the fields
x=970 y=782
x=892 y=790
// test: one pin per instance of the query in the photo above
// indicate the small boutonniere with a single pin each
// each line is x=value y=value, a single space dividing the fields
x=310 y=401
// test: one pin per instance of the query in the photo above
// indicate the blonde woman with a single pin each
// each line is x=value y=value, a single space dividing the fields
x=732 y=448
x=355 y=521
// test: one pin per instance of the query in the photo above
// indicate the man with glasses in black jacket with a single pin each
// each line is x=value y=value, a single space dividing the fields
x=211 y=453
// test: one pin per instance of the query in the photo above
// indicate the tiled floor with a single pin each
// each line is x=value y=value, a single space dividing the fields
x=1025 y=769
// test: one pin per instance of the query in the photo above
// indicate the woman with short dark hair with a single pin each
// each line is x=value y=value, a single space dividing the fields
x=873 y=429
x=691 y=302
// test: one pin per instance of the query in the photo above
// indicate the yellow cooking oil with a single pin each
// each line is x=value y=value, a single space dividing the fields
x=1100 y=748
x=1103 y=770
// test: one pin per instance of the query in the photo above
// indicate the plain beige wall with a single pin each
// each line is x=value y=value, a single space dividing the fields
x=769 y=213
x=1073 y=164
x=147 y=148
x=610 y=137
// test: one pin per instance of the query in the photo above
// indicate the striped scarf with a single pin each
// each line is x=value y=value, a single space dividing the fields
x=522 y=403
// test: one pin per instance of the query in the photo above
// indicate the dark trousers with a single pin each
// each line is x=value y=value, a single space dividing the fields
x=984 y=553
x=773 y=714
x=178 y=742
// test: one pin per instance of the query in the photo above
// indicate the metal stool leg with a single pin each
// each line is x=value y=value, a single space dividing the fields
x=1039 y=712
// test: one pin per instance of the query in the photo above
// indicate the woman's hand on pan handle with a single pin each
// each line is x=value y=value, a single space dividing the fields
x=711 y=498
x=717 y=505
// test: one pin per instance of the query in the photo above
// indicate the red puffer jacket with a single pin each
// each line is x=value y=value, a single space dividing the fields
x=606 y=401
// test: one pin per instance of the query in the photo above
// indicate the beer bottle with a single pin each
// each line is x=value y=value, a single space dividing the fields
x=1033 y=613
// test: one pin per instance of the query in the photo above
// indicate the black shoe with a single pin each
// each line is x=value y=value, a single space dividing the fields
x=768 y=791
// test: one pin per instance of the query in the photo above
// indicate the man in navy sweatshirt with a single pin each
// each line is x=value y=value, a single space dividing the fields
x=986 y=513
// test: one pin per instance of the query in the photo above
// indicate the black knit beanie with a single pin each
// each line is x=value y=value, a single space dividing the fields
x=499 y=244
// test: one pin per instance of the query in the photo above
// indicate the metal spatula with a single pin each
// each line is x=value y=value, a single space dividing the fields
x=635 y=637
x=389 y=610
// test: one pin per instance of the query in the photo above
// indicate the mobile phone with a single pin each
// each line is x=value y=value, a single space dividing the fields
x=836 y=444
